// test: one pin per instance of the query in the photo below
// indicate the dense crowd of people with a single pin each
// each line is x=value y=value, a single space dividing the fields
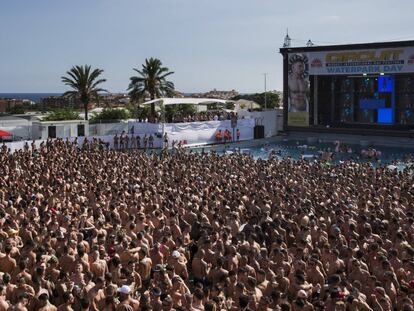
x=87 y=228
x=212 y=115
x=180 y=117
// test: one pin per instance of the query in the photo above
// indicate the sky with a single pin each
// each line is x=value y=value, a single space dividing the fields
x=221 y=44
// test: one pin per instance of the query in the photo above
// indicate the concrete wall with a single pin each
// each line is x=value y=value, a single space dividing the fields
x=269 y=119
x=64 y=129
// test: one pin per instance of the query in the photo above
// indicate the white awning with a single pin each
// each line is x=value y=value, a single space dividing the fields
x=184 y=101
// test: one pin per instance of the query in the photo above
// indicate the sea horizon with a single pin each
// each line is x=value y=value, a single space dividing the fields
x=35 y=97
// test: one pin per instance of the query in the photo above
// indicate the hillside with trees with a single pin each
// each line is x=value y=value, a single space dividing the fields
x=274 y=99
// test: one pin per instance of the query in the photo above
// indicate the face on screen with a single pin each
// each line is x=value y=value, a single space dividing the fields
x=298 y=68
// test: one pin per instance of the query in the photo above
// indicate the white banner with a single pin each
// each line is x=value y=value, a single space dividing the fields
x=369 y=61
x=204 y=132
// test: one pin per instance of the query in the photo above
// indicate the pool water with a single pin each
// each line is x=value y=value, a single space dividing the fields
x=298 y=149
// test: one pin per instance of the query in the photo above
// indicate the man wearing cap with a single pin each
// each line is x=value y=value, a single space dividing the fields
x=125 y=298
x=43 y=303
x=180 y=267
x=156 y=302
x=167 y=304
x=301 y=303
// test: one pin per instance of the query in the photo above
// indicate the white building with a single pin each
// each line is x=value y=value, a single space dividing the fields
x=59 y=129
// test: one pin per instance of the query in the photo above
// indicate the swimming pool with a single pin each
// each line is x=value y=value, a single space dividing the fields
x=297 y=149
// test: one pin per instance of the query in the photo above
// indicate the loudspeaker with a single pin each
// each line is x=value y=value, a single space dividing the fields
x=259 y=131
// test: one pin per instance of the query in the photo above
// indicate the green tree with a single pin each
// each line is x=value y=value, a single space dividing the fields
x=213 y=106
x=138 y=112
x=181 y=109
x=20 y=109
x=84 y=83
x=111 y=115
x=151 y=80
x=62 y=115
x=230 y=105
x=273 y=99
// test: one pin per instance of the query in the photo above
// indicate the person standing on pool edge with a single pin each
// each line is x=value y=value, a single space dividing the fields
x=165 y=140
x=218 y=136
x=238 y=134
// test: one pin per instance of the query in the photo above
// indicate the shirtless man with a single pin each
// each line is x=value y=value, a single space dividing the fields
x=96 y=294
x=315 y=276
x=21 y=303
x=67 y=261
x=22 y=288
x=4 y=305
x=200 y=268
x=7 y=263
x=99 y=266
x=144 y=268
x=179 y=264
x=125 y=299
x=218 y=273
x=43 y=301
x=68 y=299
x=298 y=86
x=358 y=273
x=156 y=255
x=335 y=264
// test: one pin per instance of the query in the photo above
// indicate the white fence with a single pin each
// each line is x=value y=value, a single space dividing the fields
x=267 y=118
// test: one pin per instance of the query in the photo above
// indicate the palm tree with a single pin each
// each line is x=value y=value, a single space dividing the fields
x=151 y=81
x=84 y=83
